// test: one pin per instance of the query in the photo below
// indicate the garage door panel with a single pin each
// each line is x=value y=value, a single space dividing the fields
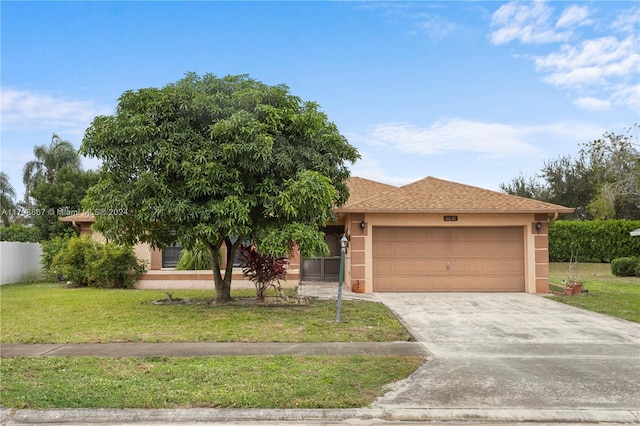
x=448 y=259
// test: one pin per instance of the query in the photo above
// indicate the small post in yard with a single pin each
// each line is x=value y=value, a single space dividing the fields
x=343 y=247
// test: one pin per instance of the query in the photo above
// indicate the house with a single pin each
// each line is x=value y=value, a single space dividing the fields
x=441 y=236
x=430 y=235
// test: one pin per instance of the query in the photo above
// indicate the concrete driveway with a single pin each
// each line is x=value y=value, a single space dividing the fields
x=516 y=351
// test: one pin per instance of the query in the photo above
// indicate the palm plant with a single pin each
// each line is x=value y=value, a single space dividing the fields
x=49 y=159
x=7 y=194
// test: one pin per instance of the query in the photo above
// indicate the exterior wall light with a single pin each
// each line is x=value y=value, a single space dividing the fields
x=538 y=226
x=362 y=225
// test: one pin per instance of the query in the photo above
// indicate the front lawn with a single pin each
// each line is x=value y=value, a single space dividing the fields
x=55 y=313
x=221 y=382
x=607 y=294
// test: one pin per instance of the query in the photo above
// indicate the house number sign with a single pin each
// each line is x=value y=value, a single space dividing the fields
x=451 y=218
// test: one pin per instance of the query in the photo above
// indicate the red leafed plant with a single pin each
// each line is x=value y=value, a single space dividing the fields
x=265 y=271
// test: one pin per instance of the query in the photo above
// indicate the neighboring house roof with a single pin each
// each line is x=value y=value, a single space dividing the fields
x=436 y=195
x=635 y=233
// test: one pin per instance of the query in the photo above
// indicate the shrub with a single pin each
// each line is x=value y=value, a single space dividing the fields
x=50 y=249
x=265 y=271
x=20 y=233
x=594 y=241
x=72 y=261
x=625 y=266
x=198 y=258
x=86 y=262
x=115 y=267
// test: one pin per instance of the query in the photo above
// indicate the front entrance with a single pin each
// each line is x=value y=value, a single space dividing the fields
x=325 y=268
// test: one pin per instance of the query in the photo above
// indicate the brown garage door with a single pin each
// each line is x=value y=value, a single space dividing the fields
x=448 y=259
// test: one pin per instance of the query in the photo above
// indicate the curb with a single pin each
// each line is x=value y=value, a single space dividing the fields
x=202 y=415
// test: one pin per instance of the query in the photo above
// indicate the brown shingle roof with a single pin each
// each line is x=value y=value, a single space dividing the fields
x=361 y=189
x=437 y=195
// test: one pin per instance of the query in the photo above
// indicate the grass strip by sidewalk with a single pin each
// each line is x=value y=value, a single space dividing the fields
x=221 y=382
x=607 y=294
x=54 y=313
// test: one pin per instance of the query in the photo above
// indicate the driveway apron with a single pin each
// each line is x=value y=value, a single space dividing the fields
x=515 y=350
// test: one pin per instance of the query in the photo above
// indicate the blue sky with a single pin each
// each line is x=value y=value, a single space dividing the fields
x=473 y=92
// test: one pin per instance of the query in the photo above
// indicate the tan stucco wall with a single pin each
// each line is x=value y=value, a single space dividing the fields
x=361 y=242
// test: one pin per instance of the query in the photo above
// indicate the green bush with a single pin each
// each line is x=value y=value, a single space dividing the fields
x=86 y=262
x=597 y=241
x=72 y=261
x=625 y=266
x=50 y=249
x=115 y=267
x=21 y=233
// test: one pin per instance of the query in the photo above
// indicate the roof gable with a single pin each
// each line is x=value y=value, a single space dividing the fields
x=436 y=195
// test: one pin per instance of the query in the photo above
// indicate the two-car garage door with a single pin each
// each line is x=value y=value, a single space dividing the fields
x=448 y=259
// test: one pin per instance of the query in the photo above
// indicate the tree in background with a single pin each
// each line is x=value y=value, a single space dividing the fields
x=602 y=182
x=221 y=161
x=49 y=160
x=616 y=161
x=7 y=196
x=60 y=197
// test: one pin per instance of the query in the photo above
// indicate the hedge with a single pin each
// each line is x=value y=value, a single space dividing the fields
x=598 y=241
x=21 y=233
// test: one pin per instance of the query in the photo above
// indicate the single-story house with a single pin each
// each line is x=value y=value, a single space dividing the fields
x=430 y=235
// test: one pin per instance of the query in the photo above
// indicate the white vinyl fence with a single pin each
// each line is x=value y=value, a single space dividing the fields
x=19 y=262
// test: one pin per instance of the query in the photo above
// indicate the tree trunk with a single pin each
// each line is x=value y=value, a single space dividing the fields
x=223 y=287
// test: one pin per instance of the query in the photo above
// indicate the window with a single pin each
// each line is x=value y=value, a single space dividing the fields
x=170 y=256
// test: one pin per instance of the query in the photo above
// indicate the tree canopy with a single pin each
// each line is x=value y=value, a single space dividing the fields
x=60 y=197
x=218 y=160
x=49 y=159
x=602 y=182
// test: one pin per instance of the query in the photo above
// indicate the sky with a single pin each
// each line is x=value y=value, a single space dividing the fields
x=472 y=92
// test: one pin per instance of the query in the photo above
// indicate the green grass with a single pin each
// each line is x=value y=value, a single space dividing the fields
x=608 y=294
x=54 y=313
x=224 y=382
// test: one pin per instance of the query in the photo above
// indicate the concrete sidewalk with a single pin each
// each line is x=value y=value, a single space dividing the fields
x=117 y=350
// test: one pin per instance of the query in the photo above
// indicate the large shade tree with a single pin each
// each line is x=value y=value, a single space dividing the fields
x=220 y=161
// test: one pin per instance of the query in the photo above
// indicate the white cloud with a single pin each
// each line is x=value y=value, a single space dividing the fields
x=627 y=22
x=23 y=109
x=626 y=95
x=592 y=104
x=527 y=22
x=485 y=139
x=601 y=72
x=601 y=62
x=574 y=15
x=456 y=135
